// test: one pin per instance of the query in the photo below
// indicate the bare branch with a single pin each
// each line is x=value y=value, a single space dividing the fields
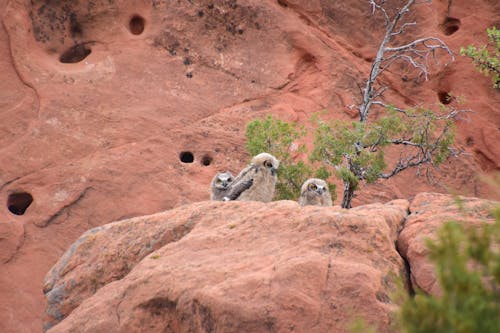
x=417 y=53
x=403 y=28
x=376 y=6
x=424 y=41
x=410 y=162
x=455 y=152
x=404 y=142
x=387 y=106
x=364 y=107
x=454 y=114
x=379 y=92
x=422 y=67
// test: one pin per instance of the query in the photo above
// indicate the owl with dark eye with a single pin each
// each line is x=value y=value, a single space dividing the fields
x=257 y=181
x=220 y=185
x=314 y=192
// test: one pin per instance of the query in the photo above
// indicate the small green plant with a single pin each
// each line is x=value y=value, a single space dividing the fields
x=280 y=138
x=486 y=58
x=468 y=270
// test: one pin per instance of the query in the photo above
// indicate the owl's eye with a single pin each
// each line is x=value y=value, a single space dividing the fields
x=268 y=164
x=312 y=187
x=219 y=181
x=230 y=179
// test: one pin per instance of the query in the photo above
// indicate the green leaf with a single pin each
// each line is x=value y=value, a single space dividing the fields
x=486 y=57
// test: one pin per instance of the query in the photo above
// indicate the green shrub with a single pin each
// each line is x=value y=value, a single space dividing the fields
x=356 y=149
x=467 y=262
x=487 y=57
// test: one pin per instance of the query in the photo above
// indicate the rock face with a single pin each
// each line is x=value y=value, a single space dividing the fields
x=250 y=267
x=231 y=267
x=428 y=213
x=107 y=253
x=111 y=109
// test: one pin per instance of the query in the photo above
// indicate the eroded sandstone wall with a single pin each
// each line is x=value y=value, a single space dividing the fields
x=98 y=99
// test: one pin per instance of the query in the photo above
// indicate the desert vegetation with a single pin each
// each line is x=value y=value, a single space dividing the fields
x=467 y=261
x=486 y=57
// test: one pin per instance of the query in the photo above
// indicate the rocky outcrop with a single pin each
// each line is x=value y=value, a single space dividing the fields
x=107 y=253
x=251 y=267
x=111 y=109
x=231 y=267
x=429 y=211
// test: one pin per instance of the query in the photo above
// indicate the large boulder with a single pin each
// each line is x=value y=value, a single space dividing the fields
x=231 y=267
x=107 y=253
x=429 y=211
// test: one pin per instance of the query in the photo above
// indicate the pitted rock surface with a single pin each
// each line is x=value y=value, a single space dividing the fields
x=99 y=98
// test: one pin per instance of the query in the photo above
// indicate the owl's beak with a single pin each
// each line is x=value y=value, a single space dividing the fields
x=224 y=183
x=320 y=190
x=274 y=171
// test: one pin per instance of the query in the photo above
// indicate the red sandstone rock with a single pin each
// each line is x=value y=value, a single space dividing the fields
x=11 y=239
x=429 y=211
x=99 y=139
x=236 y=267
x=107 y=253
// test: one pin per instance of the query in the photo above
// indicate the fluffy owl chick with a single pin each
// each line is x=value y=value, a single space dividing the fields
x=315 y=192
x=220 y=185
x=257 y=181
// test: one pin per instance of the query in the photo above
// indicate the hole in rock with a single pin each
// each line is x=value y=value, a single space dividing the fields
x=450 y=26
x=186 y=157
x=17 y=203
x=469 y=141
x=75 y=54
x=282 y=3
x=206 y=160
x=444 y=97
x=136 y=25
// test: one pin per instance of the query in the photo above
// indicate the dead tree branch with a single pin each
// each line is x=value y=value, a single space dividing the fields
x=417 y=53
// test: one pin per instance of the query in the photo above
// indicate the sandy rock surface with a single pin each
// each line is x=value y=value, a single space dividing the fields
x=99 y=99
x=429 y=211
x=242 y=267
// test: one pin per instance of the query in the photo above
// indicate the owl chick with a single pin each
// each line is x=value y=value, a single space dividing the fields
x=220 y=185
x=257 y=181
x=315 y=192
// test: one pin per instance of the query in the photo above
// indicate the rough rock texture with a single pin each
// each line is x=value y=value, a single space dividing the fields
x=428 y=213
x=234 y=267
x=104 y=254
x=99 y=98
x=11 y=238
